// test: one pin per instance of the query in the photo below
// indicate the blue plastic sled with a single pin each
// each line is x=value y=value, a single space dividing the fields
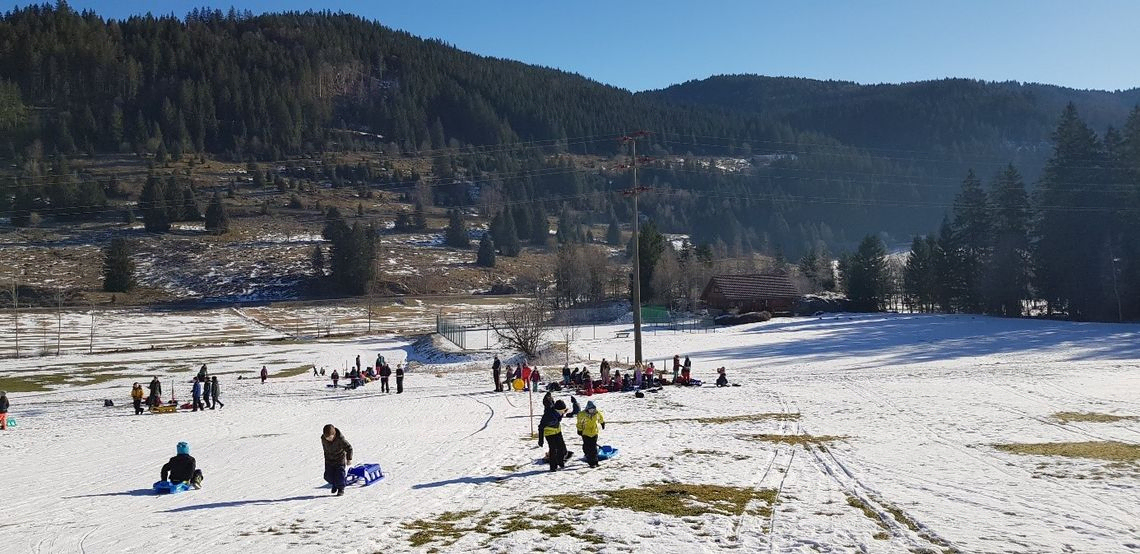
x=606 y=452
x=369 y=473
x=167 y=487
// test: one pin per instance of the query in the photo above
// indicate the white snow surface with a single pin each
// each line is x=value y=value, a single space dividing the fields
x=918 y=401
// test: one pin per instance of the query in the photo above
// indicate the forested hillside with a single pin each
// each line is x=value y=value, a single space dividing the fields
x=821 y=163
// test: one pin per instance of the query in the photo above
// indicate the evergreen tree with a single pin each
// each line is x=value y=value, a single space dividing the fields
x=217 y=219
x=1008 y=280
x=419 y=219
x=456 y=234
x=613 y=232
x=522 y=222
x=950 y=285
x=486 y=255
x=651 y=245
x=153 y=205
x=867 y=275
x=919 y=278
x=510 y=245
x=118 y=269
x=539 y=226
x=1072 y=226
x=190 y=209
x=971 y=230
x=317 y=261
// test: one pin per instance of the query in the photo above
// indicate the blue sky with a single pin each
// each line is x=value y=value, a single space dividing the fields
x=641 y=45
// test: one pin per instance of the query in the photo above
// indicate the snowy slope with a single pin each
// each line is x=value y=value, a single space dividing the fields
x=917 y=402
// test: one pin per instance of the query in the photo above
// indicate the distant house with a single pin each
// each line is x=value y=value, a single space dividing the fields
x=770 y=292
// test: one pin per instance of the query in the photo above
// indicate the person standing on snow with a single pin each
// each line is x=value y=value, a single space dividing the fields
x=385 y=372
x=496 y=368
x=550 y=430
x=155 y=398
x=589 y=421
x=197 y=395
x=358 y=362
x=335 y=378
x=182 y=468
x=136 y=398
x=264 y=374
x=207 y=393
x=535 y=378
x=215 y=392
x=399 y=378
x=338 y=455
x=4 y=410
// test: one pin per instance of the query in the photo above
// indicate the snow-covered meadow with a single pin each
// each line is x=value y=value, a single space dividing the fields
x=874 y=433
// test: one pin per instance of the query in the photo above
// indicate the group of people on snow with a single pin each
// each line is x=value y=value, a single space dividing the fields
x=380 y=372
x=523 y=377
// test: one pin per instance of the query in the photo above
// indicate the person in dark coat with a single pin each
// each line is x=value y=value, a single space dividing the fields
x=399 y=378
x=721 y=377
x=547 y=400
x=338 y=455
x=207 y=393
x=335 y=377
x=4 y=404
x=385 y=372
x=358 y=362
x=550 y=430
x=215 y=392
x=566 y=375
x=264 y=373
x=496 y=369
x=155 y=397
x=535 y=378
x=182 y=468
x=202 y=373
x=197 y=395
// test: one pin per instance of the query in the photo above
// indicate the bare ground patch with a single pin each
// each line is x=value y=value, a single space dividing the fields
x=802 y=439
x=1110 y=451
x=1090 y=417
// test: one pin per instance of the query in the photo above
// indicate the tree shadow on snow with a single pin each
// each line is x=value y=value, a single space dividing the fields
x=136 y=492
x=924 y=338
x=477 y=480
x=236 y=503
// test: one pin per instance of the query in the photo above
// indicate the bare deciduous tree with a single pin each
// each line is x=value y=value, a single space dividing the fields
x=521 y=327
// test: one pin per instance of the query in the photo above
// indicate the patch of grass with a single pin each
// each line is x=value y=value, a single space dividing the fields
x=1110 y=451
x=1089 y=417
x=702 y=452
x=793 y=439
x=511 y=468
x=293 y=371
x=675 y=499
x=43 y=382
x=901 y=517
x=750 y=417
x=441 y=529
x=857 y=503
x=881 y=536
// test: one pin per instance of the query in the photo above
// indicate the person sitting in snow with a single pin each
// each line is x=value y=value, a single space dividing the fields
x=182 y=468
x=338 y=455
x=589 y=421
x=721 y=377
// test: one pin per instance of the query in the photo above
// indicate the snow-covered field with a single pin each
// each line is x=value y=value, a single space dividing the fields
x=905 y=410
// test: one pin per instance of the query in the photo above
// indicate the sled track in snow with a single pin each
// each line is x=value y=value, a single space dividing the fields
x=485 y=423
x=983 y=457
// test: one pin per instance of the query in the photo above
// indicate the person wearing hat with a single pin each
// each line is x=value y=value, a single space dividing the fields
x=338 y=455
x=589 y=422
x=182 y=467
x=550 y=430
x=136 y=398
x=3 y=410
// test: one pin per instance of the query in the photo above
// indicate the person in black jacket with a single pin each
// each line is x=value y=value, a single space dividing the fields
x=335 y=377
x=207 y=393
x=338 y=455
x=399 y=378
x=215 y=392
x=385 y=372
x=182 y=468
x=496 y=373
x=155 y=398
x=550 y=430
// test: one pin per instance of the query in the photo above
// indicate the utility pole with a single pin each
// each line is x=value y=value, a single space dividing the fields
x=633 y=192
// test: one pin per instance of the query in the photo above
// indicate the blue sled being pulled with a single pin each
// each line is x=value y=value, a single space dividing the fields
x=167 y=487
